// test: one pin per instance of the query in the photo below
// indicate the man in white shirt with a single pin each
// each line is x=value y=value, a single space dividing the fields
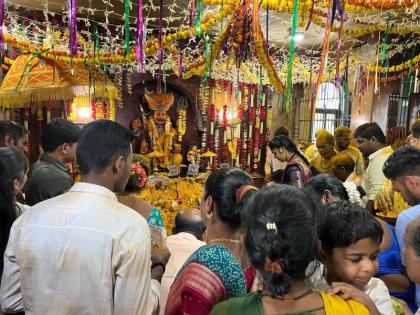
x=83 y=252
x=186 y=239
x=372 y=143
x=403 y=169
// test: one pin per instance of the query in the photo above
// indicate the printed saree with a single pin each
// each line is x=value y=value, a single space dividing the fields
x=251 y=304
x=296 y=173
x=211 y=275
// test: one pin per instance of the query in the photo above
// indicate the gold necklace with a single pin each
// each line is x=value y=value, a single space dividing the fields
x=228 y=240
x=300 y=296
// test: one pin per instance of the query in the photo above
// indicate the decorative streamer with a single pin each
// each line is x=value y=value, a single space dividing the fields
x=266 y=26
x=385 y=44
x=198 y=19
x=324 y=59
x=376 y=88
x=255 y=21
x=340 y=38
x=291 y=54
x=127 y=27
x=207 y=56
x=139 y=43
x=181 y=56
x=337 y=6
x=192 y=13
x=310 y=15
x=346 y=76
x=221 y=22
x=96 y=51
x=72 y=28
x=2 y=8
x=410 y=89
x=334 y=8
x=160 y=52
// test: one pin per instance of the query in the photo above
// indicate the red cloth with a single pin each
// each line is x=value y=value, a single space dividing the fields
x=198 y=290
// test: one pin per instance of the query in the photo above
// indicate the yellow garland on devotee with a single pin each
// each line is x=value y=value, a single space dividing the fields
x=397 y=68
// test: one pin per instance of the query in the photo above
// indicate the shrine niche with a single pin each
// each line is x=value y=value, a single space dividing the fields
x=166 y=125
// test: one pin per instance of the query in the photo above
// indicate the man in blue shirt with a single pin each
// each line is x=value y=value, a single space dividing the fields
x=403 y=169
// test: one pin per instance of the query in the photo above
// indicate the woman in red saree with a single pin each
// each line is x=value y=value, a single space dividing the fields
x=220 y=270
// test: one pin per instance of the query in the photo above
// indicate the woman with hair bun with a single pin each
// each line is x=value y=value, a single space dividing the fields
x=298 y=170
x=281 y=241
x=220 y=270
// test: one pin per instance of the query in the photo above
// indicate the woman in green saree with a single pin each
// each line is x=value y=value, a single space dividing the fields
x=281 y=241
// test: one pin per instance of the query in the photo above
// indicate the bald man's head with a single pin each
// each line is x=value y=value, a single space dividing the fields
x=189 y=221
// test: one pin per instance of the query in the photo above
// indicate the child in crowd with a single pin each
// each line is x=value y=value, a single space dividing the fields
x=412 y=252
x=350 y=244
x=281 y=241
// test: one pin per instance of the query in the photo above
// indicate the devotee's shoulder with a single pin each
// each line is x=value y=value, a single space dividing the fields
x=48 y=176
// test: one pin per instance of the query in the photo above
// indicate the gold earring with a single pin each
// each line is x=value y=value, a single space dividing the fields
x=209 y=216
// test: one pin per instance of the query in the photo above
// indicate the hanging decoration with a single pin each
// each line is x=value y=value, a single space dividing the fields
x=160 y=50
x=139 y=37
x=395 y=77
x=72 y=28
x=198 y=19
x=129 y=78
x=261 y=50
x=324 y=60
x=236 y=123
x=341 y=8
x=127 y=27
x=385 y=44
x=376 y=86
x=291 y=55
x=396 y=68
x=311 y=12
x=2 y=8
x=208 y=57
x=182 y=106
x=180 y=64
x=96 y=47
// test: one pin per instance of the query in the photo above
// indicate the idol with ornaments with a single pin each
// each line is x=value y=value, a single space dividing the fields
x=160 y=128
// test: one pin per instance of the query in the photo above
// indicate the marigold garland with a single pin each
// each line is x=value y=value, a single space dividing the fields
x=208 y=22
x=395 y=77
x=397 y=68
x=383 y=4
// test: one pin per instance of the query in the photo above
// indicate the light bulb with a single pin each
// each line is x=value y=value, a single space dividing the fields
x=299 y=36
x=84 y=112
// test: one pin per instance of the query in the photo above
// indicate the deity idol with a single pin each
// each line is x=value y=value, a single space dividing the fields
x=160 y=127
x=193 y=155
x=140 y=134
